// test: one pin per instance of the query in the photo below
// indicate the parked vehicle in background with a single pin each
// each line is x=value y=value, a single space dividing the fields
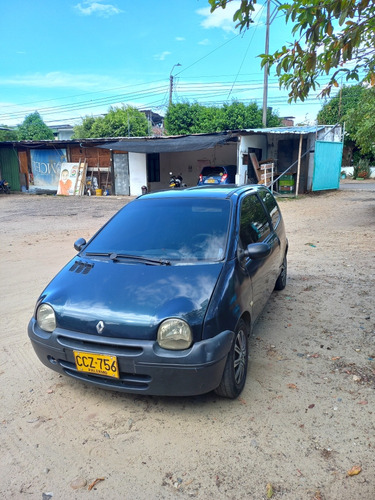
x=176 y=182
x=163 y=298
x=218 y=175
x=4 y=187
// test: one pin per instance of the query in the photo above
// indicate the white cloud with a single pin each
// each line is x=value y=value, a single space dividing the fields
x=223 y=18
x=220 y=18
x=180 y=39
x=58 y=79
x=91 y=7
x=206 y=41
x=162 y=56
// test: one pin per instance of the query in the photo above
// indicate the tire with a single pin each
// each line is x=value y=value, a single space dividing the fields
x=281 y=280
x=235 y=371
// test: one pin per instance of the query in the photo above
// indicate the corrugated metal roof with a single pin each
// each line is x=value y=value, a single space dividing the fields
x=308 y=129
x=192 y=142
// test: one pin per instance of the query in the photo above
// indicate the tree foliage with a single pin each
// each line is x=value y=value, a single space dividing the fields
x=360 y=122
x=186 y=118
x=83 y=130
x=337 y=108
x=353 y=108
x=125 y=121
x=33 y=128
x=329 y=34
x=8 y=134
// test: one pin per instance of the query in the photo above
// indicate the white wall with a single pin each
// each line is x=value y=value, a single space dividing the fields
x=249 y=141
x=349 y=171
x=137 y=173
x=190 y=163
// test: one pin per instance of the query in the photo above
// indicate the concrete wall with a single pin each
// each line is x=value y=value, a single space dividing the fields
x=190 y=163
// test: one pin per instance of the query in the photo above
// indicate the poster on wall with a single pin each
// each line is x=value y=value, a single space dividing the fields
x=46 y=168
x=68 y=179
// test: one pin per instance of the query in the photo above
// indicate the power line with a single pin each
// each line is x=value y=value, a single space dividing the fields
x=189 y=90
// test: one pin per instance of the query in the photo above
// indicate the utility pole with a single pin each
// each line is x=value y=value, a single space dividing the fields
x=170 y=88
x=171 y=83
x=265 y=83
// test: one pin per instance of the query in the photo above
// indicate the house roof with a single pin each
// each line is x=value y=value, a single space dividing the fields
x=167 y=144
x=170 y=144
x=307 y=129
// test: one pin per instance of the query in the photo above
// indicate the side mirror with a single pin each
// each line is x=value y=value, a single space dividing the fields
x=257 y=251
x=79 y=244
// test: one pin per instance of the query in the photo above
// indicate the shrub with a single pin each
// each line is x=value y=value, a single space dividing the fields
x=363 y=169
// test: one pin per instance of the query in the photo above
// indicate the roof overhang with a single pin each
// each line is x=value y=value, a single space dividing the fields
x=304 y=130
x=169 y=144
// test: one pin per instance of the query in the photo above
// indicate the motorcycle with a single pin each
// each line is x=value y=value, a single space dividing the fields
x=175 y=182
x=4 y=187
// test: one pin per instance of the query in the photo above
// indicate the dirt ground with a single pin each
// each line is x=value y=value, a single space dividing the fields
x=305 y=418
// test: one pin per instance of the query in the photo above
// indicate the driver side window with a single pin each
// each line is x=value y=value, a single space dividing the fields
x=254 y=225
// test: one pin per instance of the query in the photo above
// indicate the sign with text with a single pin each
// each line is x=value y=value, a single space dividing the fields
x=46 y=167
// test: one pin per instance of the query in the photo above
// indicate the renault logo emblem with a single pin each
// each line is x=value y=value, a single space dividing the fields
x=100 y=327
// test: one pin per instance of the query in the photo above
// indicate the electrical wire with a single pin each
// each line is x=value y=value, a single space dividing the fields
x=247 y=50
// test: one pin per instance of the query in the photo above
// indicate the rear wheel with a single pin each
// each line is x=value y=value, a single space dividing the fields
x=281 y=280
x=235 y=371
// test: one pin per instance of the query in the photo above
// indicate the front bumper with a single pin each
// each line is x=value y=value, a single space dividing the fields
x=144 y=367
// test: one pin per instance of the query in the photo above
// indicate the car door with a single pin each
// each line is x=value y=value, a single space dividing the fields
x=277 y=229
x=255 y=227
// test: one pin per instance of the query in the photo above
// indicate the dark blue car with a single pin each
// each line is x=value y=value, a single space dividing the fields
x=212 y=175
x=163 y=298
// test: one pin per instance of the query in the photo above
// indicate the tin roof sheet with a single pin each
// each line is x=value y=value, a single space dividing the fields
x=307 y=129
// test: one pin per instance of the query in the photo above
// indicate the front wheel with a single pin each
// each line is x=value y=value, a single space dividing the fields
x=235 y=371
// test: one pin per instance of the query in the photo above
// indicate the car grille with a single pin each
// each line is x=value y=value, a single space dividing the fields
x=127 y=381
x=108 y=345
x=99 y=345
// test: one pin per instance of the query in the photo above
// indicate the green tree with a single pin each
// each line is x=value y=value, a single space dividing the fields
x=7 y=134
x=83 y=130
x=125 y=121
x=33 y=128
x=329 y=34
x=185 y=118
x=355 y=107
x=336 y=109
x=360 y=123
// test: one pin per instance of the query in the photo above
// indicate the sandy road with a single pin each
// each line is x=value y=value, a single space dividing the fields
x=305 y=417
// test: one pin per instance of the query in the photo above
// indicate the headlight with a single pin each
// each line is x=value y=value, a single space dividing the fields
x=45 y=317
x=174 y=334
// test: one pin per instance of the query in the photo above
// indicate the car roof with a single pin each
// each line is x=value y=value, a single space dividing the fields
x=226 y=191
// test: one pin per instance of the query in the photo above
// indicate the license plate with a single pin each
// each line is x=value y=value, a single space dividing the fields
x=99 y=364
x=210 y=181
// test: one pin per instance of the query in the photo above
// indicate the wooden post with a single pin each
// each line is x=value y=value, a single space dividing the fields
x=77 y=177
x=299 y=164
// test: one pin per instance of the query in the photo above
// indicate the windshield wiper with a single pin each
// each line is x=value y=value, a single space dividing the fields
x=116 y=256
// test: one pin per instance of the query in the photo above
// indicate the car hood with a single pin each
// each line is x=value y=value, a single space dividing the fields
x=130 y=298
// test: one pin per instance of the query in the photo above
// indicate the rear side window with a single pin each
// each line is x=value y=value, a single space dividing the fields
x=254 y=225
x=271 y=205
x=212 y=171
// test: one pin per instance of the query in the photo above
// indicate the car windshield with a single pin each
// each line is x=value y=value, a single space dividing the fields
x=170 y=229
x=212 y=171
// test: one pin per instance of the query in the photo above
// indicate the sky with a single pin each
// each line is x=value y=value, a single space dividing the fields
x=68 y=59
